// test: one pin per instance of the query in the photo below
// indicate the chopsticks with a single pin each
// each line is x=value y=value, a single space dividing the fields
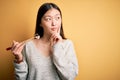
x=9 y=48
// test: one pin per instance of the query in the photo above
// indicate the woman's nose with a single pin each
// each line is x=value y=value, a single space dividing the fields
x=53 y=22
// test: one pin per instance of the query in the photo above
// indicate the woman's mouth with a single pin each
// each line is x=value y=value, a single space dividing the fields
x=53 y=29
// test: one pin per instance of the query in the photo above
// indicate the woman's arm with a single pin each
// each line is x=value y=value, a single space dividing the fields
x=21 y=69
x=65 y=60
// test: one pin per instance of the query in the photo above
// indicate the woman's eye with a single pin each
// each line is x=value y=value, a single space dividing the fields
x=47 y=19
x=57 y=18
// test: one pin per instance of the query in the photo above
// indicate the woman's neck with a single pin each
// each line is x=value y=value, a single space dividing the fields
x=46 y=38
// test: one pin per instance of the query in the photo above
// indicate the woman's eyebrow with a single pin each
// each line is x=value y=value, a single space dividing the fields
x=51 y=16
x=57 y=15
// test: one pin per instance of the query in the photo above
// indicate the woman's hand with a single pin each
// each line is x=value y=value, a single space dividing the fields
x=16 y=50
x=55 y=38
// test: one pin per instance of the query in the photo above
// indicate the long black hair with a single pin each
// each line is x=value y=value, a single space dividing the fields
x=42 y=10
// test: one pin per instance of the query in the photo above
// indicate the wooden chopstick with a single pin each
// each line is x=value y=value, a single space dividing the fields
x=9 y=48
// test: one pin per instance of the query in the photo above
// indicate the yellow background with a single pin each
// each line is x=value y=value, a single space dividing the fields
x=92 y=25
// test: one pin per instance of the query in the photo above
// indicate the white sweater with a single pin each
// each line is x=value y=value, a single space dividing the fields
x=62 y=65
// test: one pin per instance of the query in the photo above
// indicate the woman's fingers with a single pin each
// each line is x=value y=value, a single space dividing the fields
x=17 y=47
x=14 y=45
x=55 y=38
x=58 y=31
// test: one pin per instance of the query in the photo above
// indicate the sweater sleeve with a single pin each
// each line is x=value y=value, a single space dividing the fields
x=65 y=60
x=21 y=69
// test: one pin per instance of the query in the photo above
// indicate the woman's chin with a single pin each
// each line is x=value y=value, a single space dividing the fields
x=53 y=32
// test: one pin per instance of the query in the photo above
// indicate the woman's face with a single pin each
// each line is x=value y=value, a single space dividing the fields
x=51 y=21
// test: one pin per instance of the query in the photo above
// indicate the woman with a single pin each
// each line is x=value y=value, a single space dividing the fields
x=50 y=57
